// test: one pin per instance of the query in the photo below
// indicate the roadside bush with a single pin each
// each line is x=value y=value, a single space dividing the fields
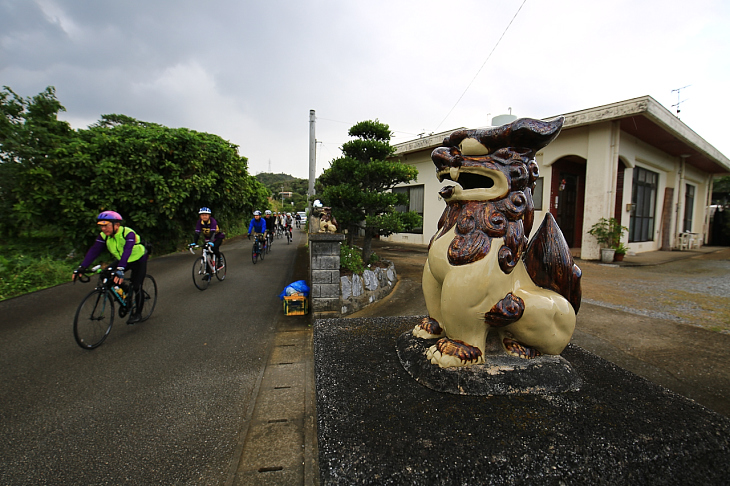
x=23 y=273
x=351 y=259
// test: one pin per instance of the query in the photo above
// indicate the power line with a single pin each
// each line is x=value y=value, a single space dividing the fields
x=483 y=64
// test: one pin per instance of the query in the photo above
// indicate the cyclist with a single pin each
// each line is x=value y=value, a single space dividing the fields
x=298 y=218
x=126 y=247
x=288 y=224
x=257 y=226
x=280 y=221
x=208 y=227
x=269 y=219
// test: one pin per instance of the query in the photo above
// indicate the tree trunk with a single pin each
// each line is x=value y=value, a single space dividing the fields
x=367 y=246
x=351 y=234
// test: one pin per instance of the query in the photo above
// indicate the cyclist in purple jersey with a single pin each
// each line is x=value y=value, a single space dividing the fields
x=208 y=227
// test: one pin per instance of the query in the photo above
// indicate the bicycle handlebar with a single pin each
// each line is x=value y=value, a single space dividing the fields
x=84 y=277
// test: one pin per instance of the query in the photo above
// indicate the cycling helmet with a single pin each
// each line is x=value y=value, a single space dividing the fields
x=317 y=203
x=257 y=213
x=268 y=211
x=204 y=210
x=109 y=217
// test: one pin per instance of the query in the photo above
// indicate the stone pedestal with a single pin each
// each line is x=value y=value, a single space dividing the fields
x=377 y=425
x=324 y=258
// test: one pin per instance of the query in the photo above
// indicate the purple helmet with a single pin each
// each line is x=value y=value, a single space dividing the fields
x=109 y=217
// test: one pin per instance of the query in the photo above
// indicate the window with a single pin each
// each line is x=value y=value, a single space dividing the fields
x=689 y=206
x=643 y=199
x=415 y=202
x=537 y=194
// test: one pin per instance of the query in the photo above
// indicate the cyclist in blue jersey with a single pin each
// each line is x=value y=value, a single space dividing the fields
x=127 y=248
x=257 y=225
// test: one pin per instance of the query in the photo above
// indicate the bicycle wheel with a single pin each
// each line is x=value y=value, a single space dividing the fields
x=94 y=318
x=254 y=254
x=220 y=271
x=262 y=251
x=149 y=291
x=201 y=277
x=288 y=237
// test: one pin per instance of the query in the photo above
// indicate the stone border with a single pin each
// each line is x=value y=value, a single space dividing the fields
x=358 y=291
x=335 y=296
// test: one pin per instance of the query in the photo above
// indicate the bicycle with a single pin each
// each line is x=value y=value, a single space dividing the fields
x=95 y=314
x=207 y=266
x=258 y=251
x=289 y=236
x=269 y=240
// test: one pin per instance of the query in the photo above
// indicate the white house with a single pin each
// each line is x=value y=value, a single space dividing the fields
x=632 y=160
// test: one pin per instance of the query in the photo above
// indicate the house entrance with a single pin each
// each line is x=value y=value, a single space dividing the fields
x=567 y=197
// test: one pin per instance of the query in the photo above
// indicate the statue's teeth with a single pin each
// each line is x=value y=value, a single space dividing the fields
x=454 y=172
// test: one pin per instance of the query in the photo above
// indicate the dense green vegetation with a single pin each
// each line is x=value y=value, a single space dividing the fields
x=277 y=183
x=54 y=181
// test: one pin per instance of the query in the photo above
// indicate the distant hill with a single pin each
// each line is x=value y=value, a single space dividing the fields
x=277 y=183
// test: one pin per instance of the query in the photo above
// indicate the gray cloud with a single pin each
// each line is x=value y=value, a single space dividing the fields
x=251 y=71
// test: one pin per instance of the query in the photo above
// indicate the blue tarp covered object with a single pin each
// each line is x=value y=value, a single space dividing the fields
x=299 y=287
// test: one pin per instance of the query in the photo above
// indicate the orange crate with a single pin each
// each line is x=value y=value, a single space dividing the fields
x=295 y=305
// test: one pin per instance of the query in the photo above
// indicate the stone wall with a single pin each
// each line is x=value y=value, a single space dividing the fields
x=357 y=291
x=334 y=296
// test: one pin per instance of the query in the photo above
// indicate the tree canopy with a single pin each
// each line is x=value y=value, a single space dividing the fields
x=357 y=185
x=54 y=180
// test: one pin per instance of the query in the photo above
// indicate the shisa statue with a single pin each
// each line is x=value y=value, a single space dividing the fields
x=327 y=222
x=488 y=291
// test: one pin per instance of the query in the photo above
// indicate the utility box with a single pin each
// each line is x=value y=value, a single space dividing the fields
x=295 y=305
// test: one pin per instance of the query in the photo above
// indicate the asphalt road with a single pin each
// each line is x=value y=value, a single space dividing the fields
x=162 y=402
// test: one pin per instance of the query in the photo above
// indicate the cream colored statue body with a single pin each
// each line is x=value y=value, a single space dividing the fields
x=458 y=297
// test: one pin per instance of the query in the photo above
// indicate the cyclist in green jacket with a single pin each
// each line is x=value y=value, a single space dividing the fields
x=126 y=247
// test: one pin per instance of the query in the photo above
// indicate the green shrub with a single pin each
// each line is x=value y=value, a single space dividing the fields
x=373 y=259
x=351 y=259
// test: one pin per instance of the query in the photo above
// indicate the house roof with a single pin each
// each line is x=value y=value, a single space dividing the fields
x=643 y=118
x=647 y=120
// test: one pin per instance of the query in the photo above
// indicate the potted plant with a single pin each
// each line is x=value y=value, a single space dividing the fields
x=621 y=250
x=608 y=232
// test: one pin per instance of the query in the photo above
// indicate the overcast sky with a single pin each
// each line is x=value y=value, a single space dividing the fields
x=250 y=71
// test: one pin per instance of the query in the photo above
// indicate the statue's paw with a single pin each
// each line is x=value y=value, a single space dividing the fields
x=428 y=328
x=448 y=353
x=520 y=350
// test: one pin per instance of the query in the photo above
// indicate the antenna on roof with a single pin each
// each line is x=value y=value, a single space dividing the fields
x=678 y=90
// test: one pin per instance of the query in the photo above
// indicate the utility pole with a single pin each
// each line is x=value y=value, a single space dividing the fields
x=312 y=160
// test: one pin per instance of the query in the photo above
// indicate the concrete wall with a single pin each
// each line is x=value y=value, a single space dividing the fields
x=324 y=269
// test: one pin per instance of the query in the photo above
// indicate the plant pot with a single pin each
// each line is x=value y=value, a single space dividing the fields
x=618 y=257
x=607 y=255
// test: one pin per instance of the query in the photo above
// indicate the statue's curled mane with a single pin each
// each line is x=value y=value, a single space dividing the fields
x=477 y=222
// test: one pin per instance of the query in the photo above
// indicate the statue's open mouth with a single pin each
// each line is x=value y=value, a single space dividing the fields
x=474 y=183
x=467 y=180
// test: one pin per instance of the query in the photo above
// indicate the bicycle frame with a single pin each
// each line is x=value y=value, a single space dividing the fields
x=105 y=283
x=207 y=256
